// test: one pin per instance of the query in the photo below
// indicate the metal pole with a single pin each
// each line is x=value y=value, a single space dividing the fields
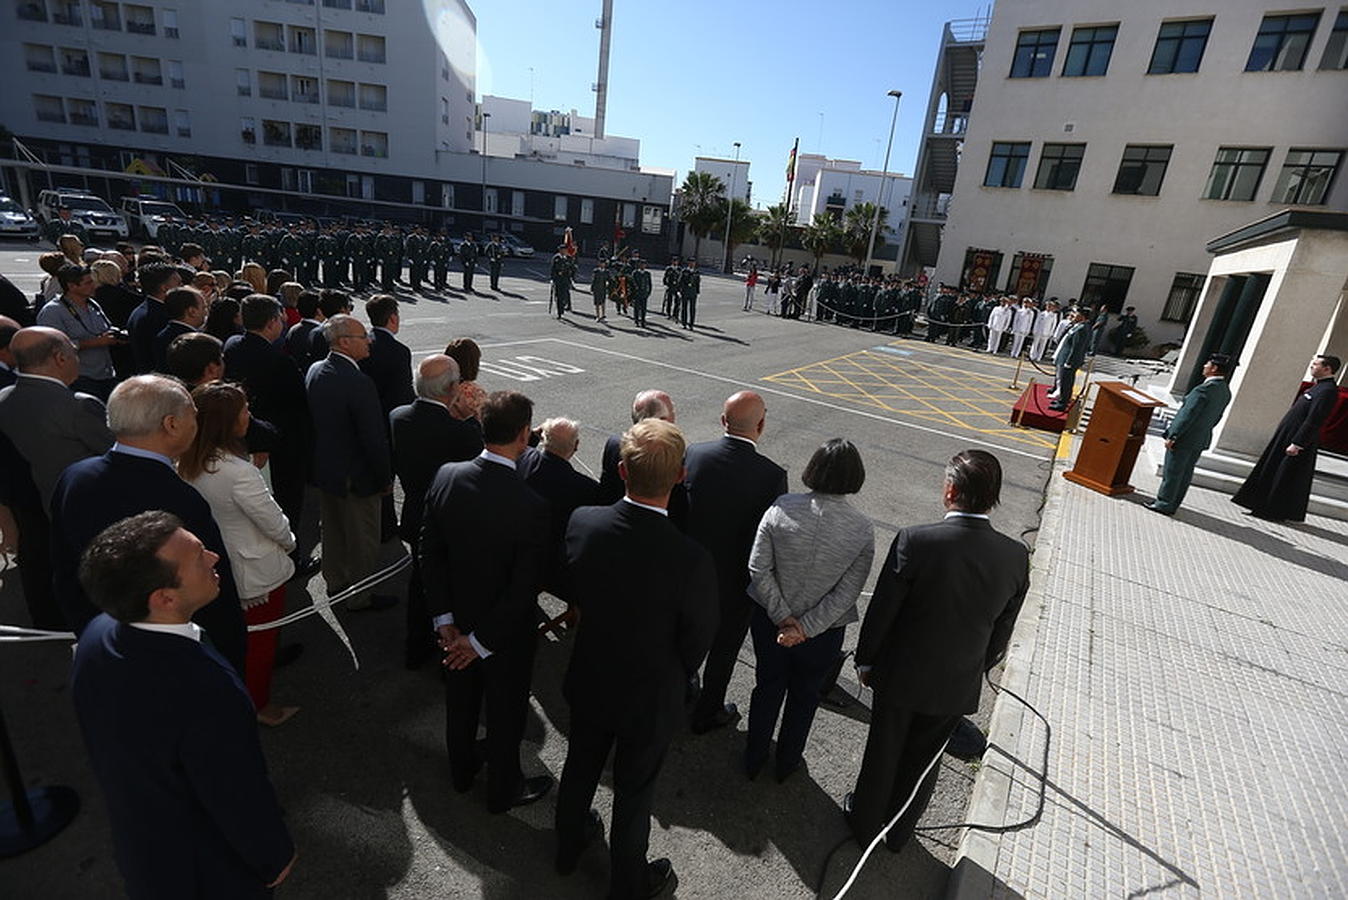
x=730 y=205
x=875 y=221
x=485 y=117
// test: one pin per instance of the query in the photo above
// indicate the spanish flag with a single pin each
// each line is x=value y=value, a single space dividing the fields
x=791 y=163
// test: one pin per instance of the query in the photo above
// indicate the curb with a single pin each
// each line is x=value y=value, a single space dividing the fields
x=1012 y=731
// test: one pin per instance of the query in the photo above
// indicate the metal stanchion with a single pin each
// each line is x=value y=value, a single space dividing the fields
x=1020 y=413
x=1015 y=382
x=35 y=816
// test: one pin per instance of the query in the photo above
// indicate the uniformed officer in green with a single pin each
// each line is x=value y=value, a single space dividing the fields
x=468 y=252
x=671 y=282
x=359 y=251
x=437 y=255
x=562 y=272
x=599 y=288
x=64 y=224
x=326 y=248
x=417 y=247
x=689 y=287
x=1190 y=432
x=390 y=258
x=308 y=270
x=496 y=253
x=641 y=292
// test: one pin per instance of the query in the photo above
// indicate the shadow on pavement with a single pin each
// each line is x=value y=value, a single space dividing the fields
x=1264 y=542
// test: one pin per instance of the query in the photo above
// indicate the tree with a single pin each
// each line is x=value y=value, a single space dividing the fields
x=857 y=230
x=703 y=194
x=772 y=226
x=743 y=225
x=821 y=236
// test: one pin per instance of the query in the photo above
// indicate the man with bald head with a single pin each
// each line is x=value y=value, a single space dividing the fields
x=425 y=437
x=547 y=469
x=729 y=486
x=648 y=404
x=44 y=427
x=8 y=328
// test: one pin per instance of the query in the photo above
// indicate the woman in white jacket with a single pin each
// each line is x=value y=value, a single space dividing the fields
x=257 y=534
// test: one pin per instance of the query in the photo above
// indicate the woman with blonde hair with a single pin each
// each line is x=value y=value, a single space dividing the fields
x=256 y=533
x=289 y=295
x=255 y=275
x=205 y=283
x=222 y=280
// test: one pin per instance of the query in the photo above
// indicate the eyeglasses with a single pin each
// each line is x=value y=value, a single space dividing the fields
x=363 y=336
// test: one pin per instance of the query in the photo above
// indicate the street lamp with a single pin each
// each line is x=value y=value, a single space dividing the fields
x=485 y=117
x=875 y=221
x=730 y=206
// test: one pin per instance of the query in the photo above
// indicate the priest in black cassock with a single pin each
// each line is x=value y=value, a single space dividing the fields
x=1279 y=488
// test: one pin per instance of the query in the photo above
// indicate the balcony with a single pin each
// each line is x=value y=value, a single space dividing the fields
x=179 y=83
x=148 y=78
x=171 y=31
x=337 y=4
x=306 y=97
x=121 y=123
x=245 y=90
x=240 y=41
x=184 y=130
x=346 y=147
x=248 y=136
x=371 y=56
x=154 y=126
x=32 y=12
x=77 y=67
x=140 y=27
x=68 y=16
x=332 y=51
x=272 y=93
x=370 y=6
x=114 y=75
x=39 y=65
x=84 y=118
x=270 y=44
x=108 y=21
x=51 y=115
x=276 y=134
x=309 y=138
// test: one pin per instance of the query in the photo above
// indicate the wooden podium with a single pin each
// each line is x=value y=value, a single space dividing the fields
x=1110 y=446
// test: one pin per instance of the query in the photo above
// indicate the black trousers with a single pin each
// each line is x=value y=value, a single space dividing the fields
x=637 y=758
x=639 y=310
x=495 y=273
x=35 y=572
x=289 y=477
x=441 y=276
x=794 y=675
x=420 y=637
x=502 y=681
x=736 y=607
x=899 y=746
x=468 y=277
x=688 y=315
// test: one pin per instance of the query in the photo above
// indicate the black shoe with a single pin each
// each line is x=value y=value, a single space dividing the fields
x=726 y=715
x=753 y=767
x=788 y=771
x=533 y=790
x=836 y=699
x=692 y=690
x=377 y=602
x=287 y=655
x=967 y=741
x=1056 y=408
x=306 y=569
x=1158 y=509
x=658 y=875
x=569 y=857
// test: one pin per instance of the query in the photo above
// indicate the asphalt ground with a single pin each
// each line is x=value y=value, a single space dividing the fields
x=361 y=771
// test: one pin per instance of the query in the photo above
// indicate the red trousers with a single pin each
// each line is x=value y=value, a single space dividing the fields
x=261 y=654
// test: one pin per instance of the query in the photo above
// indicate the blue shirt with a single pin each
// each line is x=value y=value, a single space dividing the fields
x=80 y=325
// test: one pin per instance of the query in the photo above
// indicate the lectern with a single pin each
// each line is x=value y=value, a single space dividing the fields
x=1110 y=446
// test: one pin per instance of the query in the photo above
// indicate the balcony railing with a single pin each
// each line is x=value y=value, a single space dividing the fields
x=373 y=150
x=84 y=118
x=271 y=93
x=370 y=6
x=147 y=78
x=371 y=56
x=968 y=31
x=178 y=83
x=374 y=105
x=306 y=98
x=270 y=44
x=51 y=115
x=75 y=67
x=308 y=48
x=32 y=12
x=344 y=147
x=184 y=131
x=171 y=31
x=154 y=127
x=68 y=16
x=337 y=52
x=314 y=143
x=337 y=4
x=140 y=27
x=950 y=123
x=245 y=90
x=346 y=100
x=249 y=136
x=37 y=65
x=121 y=124
x=240 y=41
x=114 y=75
x=105 y=21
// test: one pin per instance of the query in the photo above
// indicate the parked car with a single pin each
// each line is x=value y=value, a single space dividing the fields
x=516 y=246
x=15 y=220
x=98 y=219
x=144 y=215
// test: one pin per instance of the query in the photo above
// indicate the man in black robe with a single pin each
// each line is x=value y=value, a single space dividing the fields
x=1279 y=488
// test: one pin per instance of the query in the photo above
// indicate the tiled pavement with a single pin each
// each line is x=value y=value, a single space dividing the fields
x=1194 y=674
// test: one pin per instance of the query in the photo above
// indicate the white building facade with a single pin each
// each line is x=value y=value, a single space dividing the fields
x=513 y=128
x=1108 y=143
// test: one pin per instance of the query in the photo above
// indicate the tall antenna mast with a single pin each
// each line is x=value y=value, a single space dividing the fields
x=605 y=26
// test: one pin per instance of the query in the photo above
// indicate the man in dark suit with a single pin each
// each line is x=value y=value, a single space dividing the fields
x=154 y=421
x=941 y=615
x=299 y=338
x=648 y=404
x=483 y=538
x=1067 y=358
x=169 y=726
x=352 y=466
x=330 y=303
x=547 y=469
x=730 y=485
x=186 y=309
x=45 y=426
x=8 y=368
x=389 y=364
x=425 y=437
x=643 y=631
x=1279 y=486
x=276 y=395
x=148 y=319
x=1190 y=433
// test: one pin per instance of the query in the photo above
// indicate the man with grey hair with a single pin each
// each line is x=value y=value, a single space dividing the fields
x=352 y=465
x=547 y=469
x=154 y=421
x=647 y=404
x=425 y=437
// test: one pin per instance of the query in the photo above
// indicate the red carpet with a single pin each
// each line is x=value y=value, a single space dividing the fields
x=1031 y=410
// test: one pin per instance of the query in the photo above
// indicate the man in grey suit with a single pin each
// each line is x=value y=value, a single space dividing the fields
x=352 y=467
x=1069 y=356
x=1190 y=433
x=48 y=426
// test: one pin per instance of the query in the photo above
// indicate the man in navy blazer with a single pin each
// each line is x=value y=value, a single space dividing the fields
x=547 y=469
x=148 y=319
x=299 y=337
x=730 y=485
x=186 y=309
x=154 y=421
x=389 y=364
x=168 y=724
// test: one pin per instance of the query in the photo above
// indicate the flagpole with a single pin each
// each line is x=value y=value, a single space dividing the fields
x=790 y=182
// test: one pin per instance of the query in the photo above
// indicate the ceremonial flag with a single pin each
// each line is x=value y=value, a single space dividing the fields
x=791 y=163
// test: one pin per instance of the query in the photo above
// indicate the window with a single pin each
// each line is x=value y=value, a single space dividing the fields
x=1336 y=49
x=559 y=208
x=305 y=180
x=272 y=85
x=586 y=211
x=303 y=40
x=121 y=116
x=153 y=119
x=275 y=134
x=309 y=137
x=1142 y=170
x=1183 y=297
x=139 y=19
x=175 y=74
x=489 y=200
x=517 y=203
x=419 y=192
x=1179 y=47
x=303 y=90
x=1106 y=284
x=66 y=12
x=1088 y=53
x=145 y=70
x=182 y=123
x=112 y=67
x=1059 y=165
x=244 y=81
x=82 y=112
x=337 y=4
x=1006 y=164
x=652 y=219
x=374 y=143
x=1236 y=173
x=447 y=196
x=49 y=109
x=238 y=32
x=444 y=110
x=338 y=45
x=370 y=48
x=39 y=58
x=170 y=17
x=1306 y=176
x=104 y=15
x=74 y=62
x=374 y=96
x=342 y=140
x=370 y=6
x=250 y=174
x=287 y=179
x=268 y=36
x=629 y=215
x=34 y=11
x=248 y=131
x=1282 y=42
x=1034 y=53
x=341 y=93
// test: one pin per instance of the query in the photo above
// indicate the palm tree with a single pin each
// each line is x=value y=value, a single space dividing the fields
x=743 y=225
x=821 y=236
x=857 y=230
x=702 y=195
x=772 y=228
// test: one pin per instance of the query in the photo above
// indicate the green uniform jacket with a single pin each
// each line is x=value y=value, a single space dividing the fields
x=691 y=284
x=641 y=284
x=56 y=228
x=1191 y=429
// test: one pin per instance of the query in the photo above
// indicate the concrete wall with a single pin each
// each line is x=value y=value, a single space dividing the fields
x=1220 y=105
x=730 y=173
x=891 y=191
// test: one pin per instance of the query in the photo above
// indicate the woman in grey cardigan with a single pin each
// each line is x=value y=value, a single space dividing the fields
x=810 y=559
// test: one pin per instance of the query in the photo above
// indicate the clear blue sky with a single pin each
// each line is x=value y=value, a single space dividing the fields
x=689 y=79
